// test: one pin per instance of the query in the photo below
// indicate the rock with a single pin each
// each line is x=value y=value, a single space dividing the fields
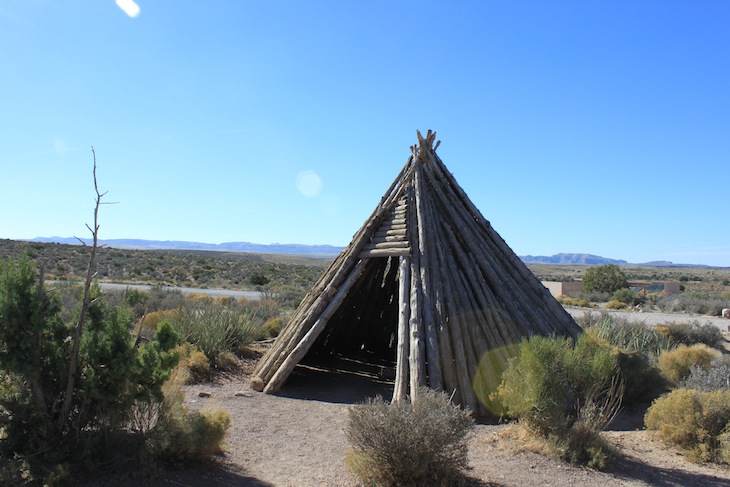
x=204 y=394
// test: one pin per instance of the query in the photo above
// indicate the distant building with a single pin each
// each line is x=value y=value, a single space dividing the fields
x=557 y=288
x=563 y=288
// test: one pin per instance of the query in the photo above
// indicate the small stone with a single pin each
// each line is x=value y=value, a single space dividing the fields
x=204 y=394
x=243 y=394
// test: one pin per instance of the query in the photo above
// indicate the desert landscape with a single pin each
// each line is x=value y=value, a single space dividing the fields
x=296 y=439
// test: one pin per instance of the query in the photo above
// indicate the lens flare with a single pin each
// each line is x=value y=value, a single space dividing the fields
x=129 y=7
x=309 y=183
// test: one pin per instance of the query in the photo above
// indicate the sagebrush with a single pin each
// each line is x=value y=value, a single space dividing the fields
x=698 y=422
x=406 y=443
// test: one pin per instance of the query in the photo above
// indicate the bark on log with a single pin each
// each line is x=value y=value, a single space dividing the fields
x=400 y=388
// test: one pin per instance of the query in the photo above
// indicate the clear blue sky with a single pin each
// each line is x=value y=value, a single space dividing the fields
x=591 y=127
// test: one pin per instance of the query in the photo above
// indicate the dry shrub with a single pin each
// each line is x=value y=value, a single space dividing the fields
x=713 y=378
x=615 y=304
x=182 y=436
x=406 y=443
x=698 y=422
x=225 y=300
x=195 y=361
x=693 y=332
x=676 y=364
x=151 y=320
x=200 y=298
x=226 y=360
x=272 y=327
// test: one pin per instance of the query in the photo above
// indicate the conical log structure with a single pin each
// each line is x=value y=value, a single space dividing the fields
x=429 y=278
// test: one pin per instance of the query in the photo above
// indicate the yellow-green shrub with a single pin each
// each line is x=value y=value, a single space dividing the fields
x=272 y=327
x=180 y=435
x=698 y=422
x=151 y=320
x=615 y=304
x=194 y=361
x=676 y=364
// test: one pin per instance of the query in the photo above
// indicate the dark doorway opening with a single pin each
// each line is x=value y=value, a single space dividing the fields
x=357 y=348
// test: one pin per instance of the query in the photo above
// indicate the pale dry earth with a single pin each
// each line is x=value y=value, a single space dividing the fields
x=655 y=318
x=297 y=439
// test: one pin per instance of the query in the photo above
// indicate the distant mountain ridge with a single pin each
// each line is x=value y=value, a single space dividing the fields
x=139 y=244
x=331 y=250
x=571 y=259
x=589 y=259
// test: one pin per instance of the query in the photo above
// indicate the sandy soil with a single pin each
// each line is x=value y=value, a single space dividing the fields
x=296 y=439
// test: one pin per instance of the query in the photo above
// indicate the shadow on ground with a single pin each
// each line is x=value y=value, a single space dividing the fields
x=338 y=380
x=632 y=469
x=216 y=474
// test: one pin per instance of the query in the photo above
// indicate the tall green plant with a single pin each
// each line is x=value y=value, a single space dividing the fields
x=628 y=336
x=564 y=393
x=215 y=328
x=34 y=354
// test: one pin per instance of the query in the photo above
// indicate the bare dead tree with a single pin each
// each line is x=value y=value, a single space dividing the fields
x=85 y=305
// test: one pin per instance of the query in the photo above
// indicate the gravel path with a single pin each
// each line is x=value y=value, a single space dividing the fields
x=653 y=319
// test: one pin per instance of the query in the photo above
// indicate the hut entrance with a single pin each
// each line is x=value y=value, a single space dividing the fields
x=360 y=338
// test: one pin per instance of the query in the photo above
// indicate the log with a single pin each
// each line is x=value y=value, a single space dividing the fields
x=433 y=356
x=398 y=244
x=400 y=388
x=366 y=254
x=417 y=346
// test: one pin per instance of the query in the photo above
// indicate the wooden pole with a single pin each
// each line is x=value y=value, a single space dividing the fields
x=417 y=356
x=400 y=389
x=433 y=356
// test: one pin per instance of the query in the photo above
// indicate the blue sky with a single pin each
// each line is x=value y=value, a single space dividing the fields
x=591 y=127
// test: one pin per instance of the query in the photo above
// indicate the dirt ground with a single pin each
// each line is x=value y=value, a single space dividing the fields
x=296 y=439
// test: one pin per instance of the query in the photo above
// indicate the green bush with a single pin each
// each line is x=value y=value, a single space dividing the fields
x=695 y=421
x=693 y=332
x=406 y=443
x=643 y=381
x=627 y=296
x=615 y=304
x=564 y=393
x=113 y=377
x=604 y=278
x=676 y=364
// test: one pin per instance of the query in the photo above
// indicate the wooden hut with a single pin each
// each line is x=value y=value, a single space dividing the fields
x=427 y=282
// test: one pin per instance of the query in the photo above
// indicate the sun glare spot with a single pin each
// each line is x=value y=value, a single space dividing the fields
x=309 y=183
x=129 y=6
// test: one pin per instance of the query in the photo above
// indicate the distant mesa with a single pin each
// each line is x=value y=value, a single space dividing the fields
x=331 y=251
